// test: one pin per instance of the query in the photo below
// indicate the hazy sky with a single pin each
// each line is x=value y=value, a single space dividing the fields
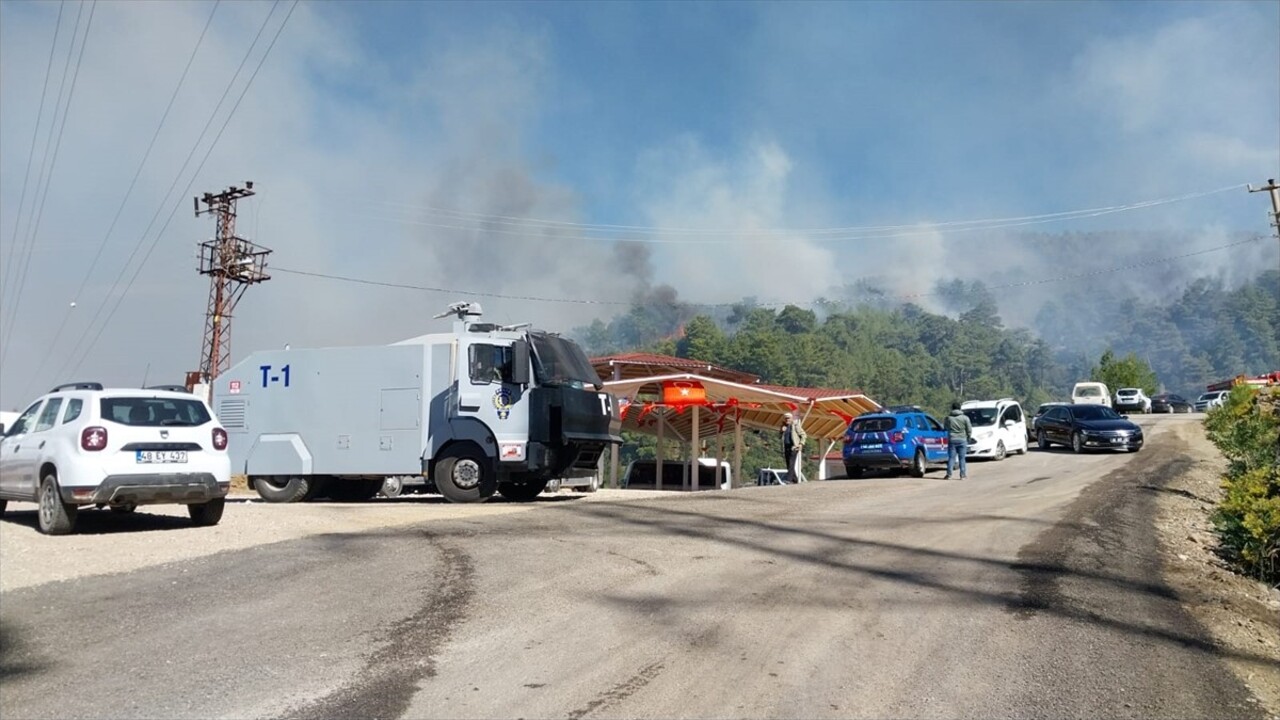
x=418 y=142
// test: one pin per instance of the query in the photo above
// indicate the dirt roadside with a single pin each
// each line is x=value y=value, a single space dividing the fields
x=106 y=542
x=1242 y=614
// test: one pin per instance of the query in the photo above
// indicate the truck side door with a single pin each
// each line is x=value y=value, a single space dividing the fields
x=488 y=394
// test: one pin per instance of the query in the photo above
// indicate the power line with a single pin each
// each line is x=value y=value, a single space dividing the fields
x=818 y=234
x=44 y=195
x=132 y=183
x=164 y=200
x=35 y=134
x=203 y=160
x=583 y=301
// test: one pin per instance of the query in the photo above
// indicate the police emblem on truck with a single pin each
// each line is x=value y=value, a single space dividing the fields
x=502 y=402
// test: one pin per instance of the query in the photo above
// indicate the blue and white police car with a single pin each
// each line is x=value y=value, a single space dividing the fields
x=896 y=438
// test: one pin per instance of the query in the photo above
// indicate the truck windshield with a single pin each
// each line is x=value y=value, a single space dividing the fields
x=557 y=361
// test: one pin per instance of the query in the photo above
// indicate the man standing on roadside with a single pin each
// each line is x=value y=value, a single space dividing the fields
x=959 y=430
x=793 y=438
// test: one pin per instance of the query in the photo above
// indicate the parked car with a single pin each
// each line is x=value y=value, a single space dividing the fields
x=1170 y=403
x=999 y=428
x=1084 y=393
x=81 y=445
x=1040 y=411
x=1210 y=400
x=6 y=419
x=901 y=437
x=1088 y=427
x=1132 y=399
x=643 y=474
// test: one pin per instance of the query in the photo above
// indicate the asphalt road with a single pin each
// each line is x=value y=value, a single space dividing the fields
x=1031 y=589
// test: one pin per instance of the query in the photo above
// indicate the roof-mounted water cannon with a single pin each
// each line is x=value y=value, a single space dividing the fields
x=465 y=312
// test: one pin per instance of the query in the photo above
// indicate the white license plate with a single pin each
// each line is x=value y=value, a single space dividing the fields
x=1117 y=441
x=161 y=456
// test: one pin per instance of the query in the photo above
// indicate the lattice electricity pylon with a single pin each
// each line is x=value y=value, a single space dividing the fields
x=232 y=264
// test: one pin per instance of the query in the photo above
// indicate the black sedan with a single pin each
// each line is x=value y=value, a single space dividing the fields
x=1170 y=403
x=1088 y=427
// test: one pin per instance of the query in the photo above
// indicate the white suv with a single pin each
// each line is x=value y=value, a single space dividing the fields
x=1131 y=399
x=999 y=427
x=81 y=445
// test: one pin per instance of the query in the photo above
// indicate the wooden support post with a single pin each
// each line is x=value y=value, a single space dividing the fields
x=661 y=447
x=822 y=461
x=694 y=449
x=719 y=451
x=613 y=466
x=736 y=480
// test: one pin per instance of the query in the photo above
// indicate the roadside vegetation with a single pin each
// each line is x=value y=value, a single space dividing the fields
x=1246 y=428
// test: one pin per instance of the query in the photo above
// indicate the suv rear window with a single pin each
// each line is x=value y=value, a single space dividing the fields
x=881 y=424
x=154 y=412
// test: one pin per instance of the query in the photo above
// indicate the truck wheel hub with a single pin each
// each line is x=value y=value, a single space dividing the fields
x=466 y=474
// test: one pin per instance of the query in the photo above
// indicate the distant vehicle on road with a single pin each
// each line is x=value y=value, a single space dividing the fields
x=1090 y=393
x=1132 y=399
x=999 y=428
x=1170 y=403
x=1210 y=400
x=1040 y=411
x=1088 y=427
x=6 y=419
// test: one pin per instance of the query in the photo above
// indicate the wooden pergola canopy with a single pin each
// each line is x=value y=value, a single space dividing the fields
x=694 y=401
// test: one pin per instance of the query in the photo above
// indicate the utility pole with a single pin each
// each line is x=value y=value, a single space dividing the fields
x=232 y=264
x=1274 y=189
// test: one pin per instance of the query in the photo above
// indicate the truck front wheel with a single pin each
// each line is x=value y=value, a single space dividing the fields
x=522 y=492
x=465 y=476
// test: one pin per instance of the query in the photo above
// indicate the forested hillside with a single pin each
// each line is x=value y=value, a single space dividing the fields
x=905 y=354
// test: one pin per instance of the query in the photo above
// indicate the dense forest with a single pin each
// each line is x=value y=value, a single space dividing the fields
x=903 y=354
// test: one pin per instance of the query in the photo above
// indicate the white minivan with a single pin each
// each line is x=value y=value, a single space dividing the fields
x=999 y=428
x=1090 y=393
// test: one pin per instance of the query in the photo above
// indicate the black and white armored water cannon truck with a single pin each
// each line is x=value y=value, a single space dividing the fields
x=482 y=409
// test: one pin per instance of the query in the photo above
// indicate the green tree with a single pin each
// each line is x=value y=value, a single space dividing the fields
x=1129 y=371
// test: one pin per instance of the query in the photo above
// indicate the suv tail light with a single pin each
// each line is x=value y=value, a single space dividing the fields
x=93 y=439
x=219 y=439
x=897 y=437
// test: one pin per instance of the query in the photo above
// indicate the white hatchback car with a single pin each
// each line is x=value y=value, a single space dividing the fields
x=999 y=427
x=83 y=445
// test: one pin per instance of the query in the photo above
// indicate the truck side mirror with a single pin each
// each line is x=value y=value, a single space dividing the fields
x=520 y=362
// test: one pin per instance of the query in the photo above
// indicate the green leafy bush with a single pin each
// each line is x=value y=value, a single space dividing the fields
x=1247 y=431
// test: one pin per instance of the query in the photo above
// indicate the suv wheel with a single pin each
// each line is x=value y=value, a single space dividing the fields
x=1041 y=441
x=918 y=465
x=56 y=517
x=206 y=514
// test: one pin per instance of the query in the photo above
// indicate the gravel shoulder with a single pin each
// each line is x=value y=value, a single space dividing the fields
x=160 y=534
x=1242 y=614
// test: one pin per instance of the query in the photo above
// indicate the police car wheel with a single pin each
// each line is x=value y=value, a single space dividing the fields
x=918 y=466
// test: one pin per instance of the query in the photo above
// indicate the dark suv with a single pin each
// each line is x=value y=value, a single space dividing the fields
x=896 y=438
